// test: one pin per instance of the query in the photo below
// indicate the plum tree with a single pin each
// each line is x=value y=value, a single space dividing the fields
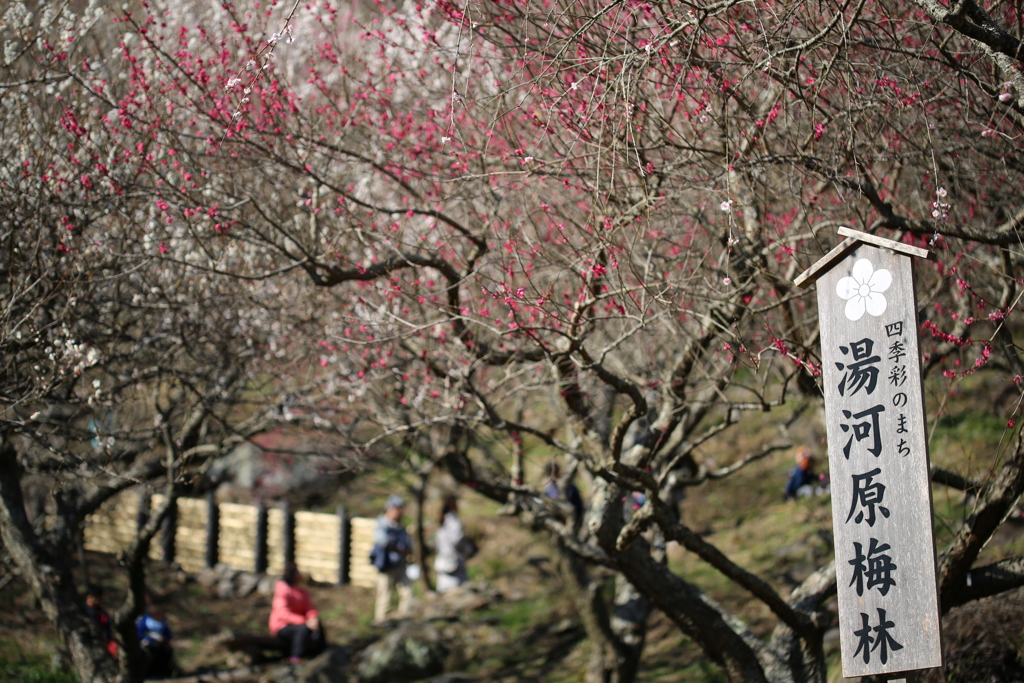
x=570 y=224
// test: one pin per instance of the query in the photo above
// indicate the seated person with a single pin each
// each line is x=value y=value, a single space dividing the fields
x=155 y=640
x=94 y=608
x=802 y=479
x=294 y=619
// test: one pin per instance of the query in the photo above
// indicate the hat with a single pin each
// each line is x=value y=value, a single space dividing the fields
x=394 y=501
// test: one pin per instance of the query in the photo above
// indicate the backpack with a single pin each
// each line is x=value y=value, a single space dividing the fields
x=379 y=557
x=467 y=548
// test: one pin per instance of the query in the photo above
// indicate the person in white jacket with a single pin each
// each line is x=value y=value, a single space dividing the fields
x=450 y=561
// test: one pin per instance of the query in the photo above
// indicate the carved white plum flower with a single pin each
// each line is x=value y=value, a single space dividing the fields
x=863 y=290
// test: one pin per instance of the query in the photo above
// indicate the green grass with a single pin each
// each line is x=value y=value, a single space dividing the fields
x=518 y=617
x=35 y=671
x=969 y=427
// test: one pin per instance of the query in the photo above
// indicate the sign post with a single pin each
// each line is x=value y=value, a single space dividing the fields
x=878 y=456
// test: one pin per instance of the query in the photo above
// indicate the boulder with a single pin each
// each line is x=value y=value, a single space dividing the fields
x=330 y=667
x=219 y=577
x=225 y=589
x=247 y=649
x=266 y=585
x=246 y=583
x=228 y=583
x=207 y=577
x=412 y=652
x=460 y=601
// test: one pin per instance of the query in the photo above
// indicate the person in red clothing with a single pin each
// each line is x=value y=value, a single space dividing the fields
x=293 y=617
x=94 y=608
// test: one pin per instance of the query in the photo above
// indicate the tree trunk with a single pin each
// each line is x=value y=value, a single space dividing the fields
x=629 y=624
x=131 y=658
x=617 y=640
x=793 y=660
x=51 y=581
x=991 y=509
x=723 y=638
x=789 y=658
x=421 y=536
x=83 y=561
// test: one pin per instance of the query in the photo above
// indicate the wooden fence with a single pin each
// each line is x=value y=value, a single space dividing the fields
x=199 y=533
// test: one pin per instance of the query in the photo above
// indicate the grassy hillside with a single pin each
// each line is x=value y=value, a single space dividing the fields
x=527 y=630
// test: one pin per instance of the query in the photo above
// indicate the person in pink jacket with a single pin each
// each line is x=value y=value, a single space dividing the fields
x=293 y=618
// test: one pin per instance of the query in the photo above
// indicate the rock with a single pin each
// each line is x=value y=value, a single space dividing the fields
x=482 y=638
x=225 y=589
x=279 y=674
x=330 y=667
x=207 y=577
x=246 y=583
x=266 y=585
x=411 y=652
x=230 y=583
x=247 y=649
x=461 y=600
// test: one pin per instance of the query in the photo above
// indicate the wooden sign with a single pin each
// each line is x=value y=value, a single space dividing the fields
x=878 y=457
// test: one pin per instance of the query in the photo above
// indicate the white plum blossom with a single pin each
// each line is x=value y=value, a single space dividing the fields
x=863 y=288
x=940 y=209
x=726 y=206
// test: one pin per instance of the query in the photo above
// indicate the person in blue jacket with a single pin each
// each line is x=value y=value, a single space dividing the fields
x=155 y=640
x=802 y=478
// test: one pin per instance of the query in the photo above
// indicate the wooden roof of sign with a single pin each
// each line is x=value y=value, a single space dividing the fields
x=853 y=239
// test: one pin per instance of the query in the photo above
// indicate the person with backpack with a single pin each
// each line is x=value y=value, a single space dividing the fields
x=391 y=548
